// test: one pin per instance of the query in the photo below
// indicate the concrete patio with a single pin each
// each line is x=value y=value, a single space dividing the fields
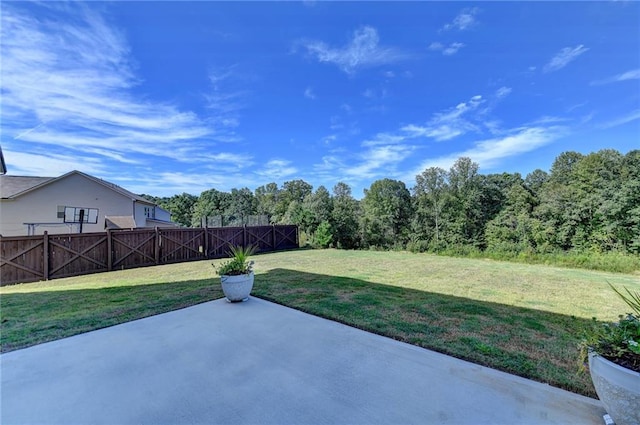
x=261 y=363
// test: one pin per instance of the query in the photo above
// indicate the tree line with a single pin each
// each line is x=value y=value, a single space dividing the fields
x=585 y=203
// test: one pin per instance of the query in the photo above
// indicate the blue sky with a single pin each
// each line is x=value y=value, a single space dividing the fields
x=171 y=97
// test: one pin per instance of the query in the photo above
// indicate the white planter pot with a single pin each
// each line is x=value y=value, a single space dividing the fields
x=237 y=288
x=618 y=388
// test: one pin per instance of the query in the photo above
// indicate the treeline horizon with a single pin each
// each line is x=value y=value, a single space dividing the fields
x=584 y=203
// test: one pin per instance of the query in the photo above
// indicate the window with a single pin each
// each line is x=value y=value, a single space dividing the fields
x=80 y=214
x=150 y=212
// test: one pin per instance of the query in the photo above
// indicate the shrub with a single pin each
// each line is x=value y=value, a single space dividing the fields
x=618 y=342
x=323 y=237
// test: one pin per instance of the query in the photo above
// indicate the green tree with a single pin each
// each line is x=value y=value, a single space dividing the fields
x=181 y=208
x=512 y=229
x=464 y=213
x=558 y=212
x=267 y=198
x=322 y=237
x=211 y=203
x=242 y=203
x=344 y=217
x=625 y=213
x=293 y=190
x=319 y=207
x=535 y=180
x=387 y=212
x=431 y=194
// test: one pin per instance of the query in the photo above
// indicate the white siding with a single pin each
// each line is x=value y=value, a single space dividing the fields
x=140 y=214
x=162 y=214
x=40 y=206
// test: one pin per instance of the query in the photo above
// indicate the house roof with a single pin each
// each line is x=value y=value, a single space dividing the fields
x=120 y=222
x=14 y=186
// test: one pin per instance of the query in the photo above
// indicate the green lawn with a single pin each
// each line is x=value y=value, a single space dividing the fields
x=524 y=319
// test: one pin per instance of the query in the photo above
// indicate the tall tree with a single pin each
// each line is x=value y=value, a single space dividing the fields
x=626 y=211
x=512 y=229
x=293 y=190
x=535 y=180
x=387 y=213
x=181 y=208
x=319 y=206
x=344 y=217
x=242 y=203
x=431 y=193
x=267 y=198
x=464 y=213
x=211 y=203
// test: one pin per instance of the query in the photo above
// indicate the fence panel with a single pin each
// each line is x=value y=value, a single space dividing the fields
x=21 y=259
x=286 y=237
x=178 y=245
x=31 y=258
x=262 y=237
x=221 y=237
x=77 y=254
x=134 y=248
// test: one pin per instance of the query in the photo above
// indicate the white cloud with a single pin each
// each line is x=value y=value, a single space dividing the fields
x=233 y=159
x=452 y=49
x=328 y=140
x=329 y=163
x=576 y=106
x=384 y=139
x=168 y=184
x=309 y=94
x=465 y=20
x=379 y=160
x=547 y=119
x=362 y=51
x=634 y=74
x=632 y=116
x=487 y=153
x=448 y=124
x=225 y=101
x=277 y=169
x=48 y=164
x=503 y=92
x=71 y=85
x=347 y=108
x=564 y=57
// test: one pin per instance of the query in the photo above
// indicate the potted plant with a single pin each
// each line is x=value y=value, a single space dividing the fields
x=236 y=274
x=613 y=352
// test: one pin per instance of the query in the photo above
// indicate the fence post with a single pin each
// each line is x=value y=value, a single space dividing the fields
x=206 y=242
x=45 y=255
x=109 y=250
x=158 y=243
x=273 y=229
x=244 y=236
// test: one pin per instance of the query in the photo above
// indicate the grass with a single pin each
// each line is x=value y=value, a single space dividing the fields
x=523 y=319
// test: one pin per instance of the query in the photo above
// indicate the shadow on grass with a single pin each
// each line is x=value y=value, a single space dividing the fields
x=36 y=317
x=531 y=343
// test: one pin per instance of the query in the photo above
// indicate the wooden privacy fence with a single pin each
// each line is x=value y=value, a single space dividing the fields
x=31 y=258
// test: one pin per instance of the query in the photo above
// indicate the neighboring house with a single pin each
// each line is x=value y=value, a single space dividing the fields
x=72 y=203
